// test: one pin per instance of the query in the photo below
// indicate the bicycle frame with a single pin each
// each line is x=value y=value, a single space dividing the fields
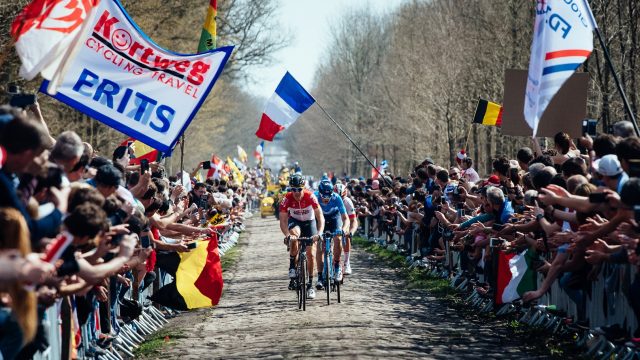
x=328 y=272
x=302 y=270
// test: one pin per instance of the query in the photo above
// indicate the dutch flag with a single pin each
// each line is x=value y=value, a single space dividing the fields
x=284 y=107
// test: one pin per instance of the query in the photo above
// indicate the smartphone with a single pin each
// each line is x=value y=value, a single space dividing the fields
x=206 y=165
x=497 y=227
x=589 y=127
x=145 y=241
x=597 y=197
x=23 y=100
x=144 y=165
x=636 y=211
x=495 y=242
x=192 y=245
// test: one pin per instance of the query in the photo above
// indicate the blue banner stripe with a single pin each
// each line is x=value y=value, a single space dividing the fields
x=294 y=94
x=561 y=67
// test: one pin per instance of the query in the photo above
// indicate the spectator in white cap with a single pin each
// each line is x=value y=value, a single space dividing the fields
x=610 y=172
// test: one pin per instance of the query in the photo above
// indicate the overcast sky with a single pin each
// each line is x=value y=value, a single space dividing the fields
x=309 y=22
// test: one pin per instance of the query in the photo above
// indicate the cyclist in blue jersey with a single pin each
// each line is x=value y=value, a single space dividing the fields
x=335 y=215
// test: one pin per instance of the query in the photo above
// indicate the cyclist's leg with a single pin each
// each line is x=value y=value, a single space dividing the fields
x=294 y=229
x=308 y=229
x=337 y=249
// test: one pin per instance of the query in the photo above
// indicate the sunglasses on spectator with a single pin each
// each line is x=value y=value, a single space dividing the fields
x=296 y=189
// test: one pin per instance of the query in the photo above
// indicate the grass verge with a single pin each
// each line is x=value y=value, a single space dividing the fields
x=231 y=257
x=153 y=345
x=535 y=340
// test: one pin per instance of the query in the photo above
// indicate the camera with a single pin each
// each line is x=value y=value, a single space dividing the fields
x=52 y=179
x=19 y=99
x=116 y=219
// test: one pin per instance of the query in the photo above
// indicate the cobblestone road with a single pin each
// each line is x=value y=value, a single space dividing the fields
x=378 y=317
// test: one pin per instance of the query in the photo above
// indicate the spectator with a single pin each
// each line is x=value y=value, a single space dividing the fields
x=623 y=129
x=23 y=140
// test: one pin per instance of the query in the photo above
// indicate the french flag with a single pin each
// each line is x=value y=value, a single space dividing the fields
x=258 y=153
x=284 y=107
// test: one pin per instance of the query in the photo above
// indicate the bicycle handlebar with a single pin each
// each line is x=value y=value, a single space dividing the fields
x=301 y=238
x=335 y=233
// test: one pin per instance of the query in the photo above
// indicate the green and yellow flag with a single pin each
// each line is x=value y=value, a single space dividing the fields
x=208 y=35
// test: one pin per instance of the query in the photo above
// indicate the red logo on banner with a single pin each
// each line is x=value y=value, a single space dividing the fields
x=62 y=16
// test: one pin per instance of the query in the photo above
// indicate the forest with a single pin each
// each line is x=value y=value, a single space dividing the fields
x=404 y=84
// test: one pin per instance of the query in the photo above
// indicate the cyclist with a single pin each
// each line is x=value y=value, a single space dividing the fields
x=335 y=216
x=339 y=188
x=300 y=216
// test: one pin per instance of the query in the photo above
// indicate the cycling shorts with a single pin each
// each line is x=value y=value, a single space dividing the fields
x=332 y=224
x=307 y=228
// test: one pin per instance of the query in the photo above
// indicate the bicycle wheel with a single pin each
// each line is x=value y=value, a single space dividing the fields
x=300 y=280
x=303 y=284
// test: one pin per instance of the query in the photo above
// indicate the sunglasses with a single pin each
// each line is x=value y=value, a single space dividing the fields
x=296 y=189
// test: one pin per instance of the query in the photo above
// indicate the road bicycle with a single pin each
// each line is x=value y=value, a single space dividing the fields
x=328 y=271
x=301 y=269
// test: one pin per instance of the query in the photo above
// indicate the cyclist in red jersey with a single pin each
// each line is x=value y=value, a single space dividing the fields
x=300 y=216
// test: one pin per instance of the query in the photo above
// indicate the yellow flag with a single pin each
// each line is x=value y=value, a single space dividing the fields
x=237 y=175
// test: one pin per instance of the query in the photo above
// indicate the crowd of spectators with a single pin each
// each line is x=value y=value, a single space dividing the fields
x=575 y=205
x=86 y=233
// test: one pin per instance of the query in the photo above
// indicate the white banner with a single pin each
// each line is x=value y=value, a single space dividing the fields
x=562 y=41
x=123 y=79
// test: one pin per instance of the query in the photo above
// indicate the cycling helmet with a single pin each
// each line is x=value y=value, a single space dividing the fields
x=340 y=189
x=325 y=189
x=296 y=180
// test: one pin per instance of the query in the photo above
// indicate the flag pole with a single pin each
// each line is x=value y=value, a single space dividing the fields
x=354 y=144
x=182 y=161
x=466 y=142
x=607 y=57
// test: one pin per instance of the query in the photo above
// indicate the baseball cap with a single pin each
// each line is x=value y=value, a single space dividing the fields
x=428 y=160
x=493 y=180
x=608 y=165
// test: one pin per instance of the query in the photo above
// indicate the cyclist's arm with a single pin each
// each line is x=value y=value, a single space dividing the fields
x=319 y=220
x=345 y=223
x=353 y=225
x=284 y=223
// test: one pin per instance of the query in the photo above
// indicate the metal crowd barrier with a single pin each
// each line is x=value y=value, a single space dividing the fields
x=606 y=304
x=127 y=337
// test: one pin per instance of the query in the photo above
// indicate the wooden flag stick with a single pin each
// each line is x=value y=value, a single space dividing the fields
x=466 y=142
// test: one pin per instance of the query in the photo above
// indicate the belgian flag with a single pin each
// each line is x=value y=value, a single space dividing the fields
x=198 y=278
x=488 y=113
